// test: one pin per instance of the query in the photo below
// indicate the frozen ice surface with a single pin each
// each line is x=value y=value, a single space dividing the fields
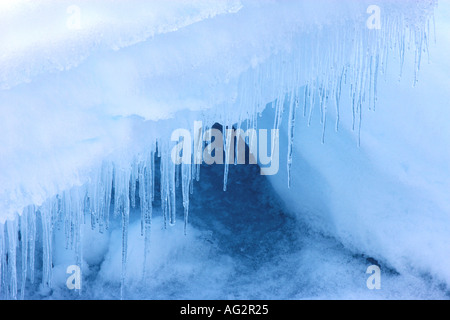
x=85 y=103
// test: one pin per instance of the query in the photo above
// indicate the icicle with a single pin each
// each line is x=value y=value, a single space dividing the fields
x=11 y=228
x=88 y=210
x=3 y=265
x=338 y=99
x=46 y=245
x=143 y=204
x=186 y=181
x=147 y=191
x=122 y=203
x=362 y=92
x=419 y=48
x=32 y=239
x=291 y=125
x=68 y=227
x=165 y=201
x=279 y=111
x=24 y=243
x=311 y=102
x=105 y=196
x=375 y=82
x=125 y=222
x=324 y=101
x=305 y=99
x=193 y=170
x=172 y=192
x=177 y=176
x=133 y=179
x=235 y=144
x=227 y=136
x=152 y=176
x=402 y=50
x=78 y=215
x=142 y=197
x=198 y=149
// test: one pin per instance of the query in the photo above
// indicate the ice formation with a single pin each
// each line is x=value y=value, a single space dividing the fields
x=88 y=110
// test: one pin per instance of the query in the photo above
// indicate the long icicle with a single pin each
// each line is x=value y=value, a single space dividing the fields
x=123 y=202
x=24 y=243
x=291 y=125
x=46 y=245
x=3 y=272
x=32 y=239
x=12 y=258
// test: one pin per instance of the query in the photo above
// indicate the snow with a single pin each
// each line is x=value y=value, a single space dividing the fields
x=85 y=105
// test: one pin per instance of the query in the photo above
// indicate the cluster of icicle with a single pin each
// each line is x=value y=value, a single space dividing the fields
x=339 y=58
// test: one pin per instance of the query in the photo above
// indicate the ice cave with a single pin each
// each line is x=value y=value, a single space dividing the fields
x=224 y=149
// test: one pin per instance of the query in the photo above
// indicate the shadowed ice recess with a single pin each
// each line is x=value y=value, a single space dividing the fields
x=91 y=92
